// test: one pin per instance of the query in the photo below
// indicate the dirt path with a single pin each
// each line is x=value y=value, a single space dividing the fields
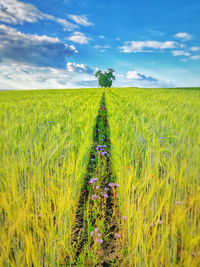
x=96 y=237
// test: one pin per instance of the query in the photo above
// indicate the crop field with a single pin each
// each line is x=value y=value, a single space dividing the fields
x=100 y=177
x=155 y=137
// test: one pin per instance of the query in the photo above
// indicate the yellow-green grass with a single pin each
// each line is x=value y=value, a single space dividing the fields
x=155 y=151
x=44 y=149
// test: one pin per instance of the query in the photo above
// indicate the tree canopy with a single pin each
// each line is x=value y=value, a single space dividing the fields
x=105 y=78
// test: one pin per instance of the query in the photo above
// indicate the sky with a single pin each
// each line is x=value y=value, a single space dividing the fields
x=54 y=44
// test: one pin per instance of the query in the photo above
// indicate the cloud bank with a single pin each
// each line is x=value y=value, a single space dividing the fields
x=16 y=46
x=17 y=12
x=134 y=75
x=22 y=76
x=81 y=68
x=180 y=53
x=139 y=79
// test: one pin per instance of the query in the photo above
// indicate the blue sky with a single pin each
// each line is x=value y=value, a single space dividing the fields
x=62 y=43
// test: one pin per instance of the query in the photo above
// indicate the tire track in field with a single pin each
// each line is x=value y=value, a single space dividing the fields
x=99 y=165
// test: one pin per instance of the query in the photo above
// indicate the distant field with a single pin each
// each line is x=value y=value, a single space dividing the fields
x=45 y=145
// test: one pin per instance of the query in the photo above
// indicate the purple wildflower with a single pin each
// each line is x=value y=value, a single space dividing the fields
x=99 y=148
x=98 y=240
x=94 y=197
x=93 y=180
x=99 y=234
x=96 y=229
x=161 y=140
x=104 y=153
x=104 y=195
x=92 y=159
x=124 y=218
x=178 y=203
x=113 y=185
x=117 y=235
x=106 y=189
x=98 y=130
x=92 y=233
x=97 y=187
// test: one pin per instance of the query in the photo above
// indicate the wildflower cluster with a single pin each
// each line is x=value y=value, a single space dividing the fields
x=93 y=180
x=100 y=150
x=101 y=192
x=96 y=236
x=104 y=192
x=113 y=185
x=161 y=140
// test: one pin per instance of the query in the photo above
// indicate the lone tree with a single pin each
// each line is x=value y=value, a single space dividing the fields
x=105 y=78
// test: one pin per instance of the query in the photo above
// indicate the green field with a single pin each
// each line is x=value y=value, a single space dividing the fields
x=46 y=141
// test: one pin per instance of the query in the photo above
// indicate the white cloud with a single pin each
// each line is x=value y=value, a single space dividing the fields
x=139 y=79
x=139 y=46
x=183 y=35
x=180 y=53
x=79 y=37
x=44 y=50
x=102 y=48
x=19 y=76
x=134 y=75
x=101 y=36
x=197 y=57
x=82 y=20
x=68 y=26
x=17 y=12
x=73 y=67
x=195 y=48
